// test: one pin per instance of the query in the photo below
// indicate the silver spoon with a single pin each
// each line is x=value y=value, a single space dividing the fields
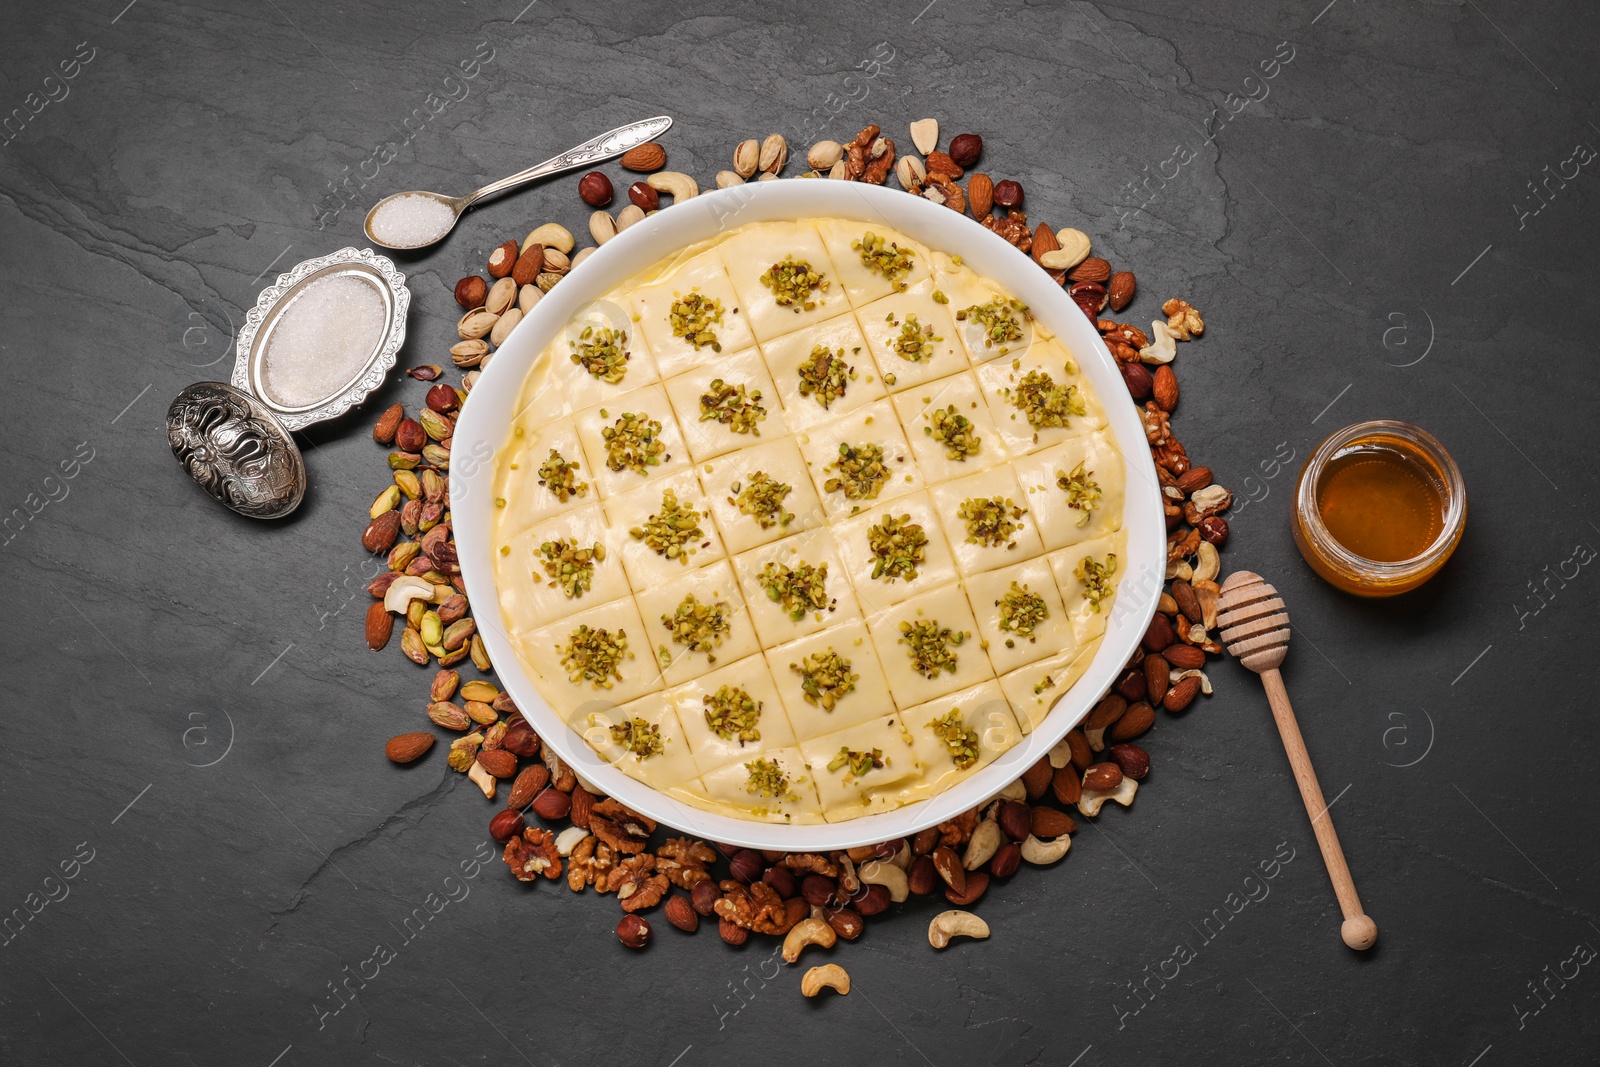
x=600 y=148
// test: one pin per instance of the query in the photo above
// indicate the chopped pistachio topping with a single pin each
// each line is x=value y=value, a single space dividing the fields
x=633 y=442
x=792 y=283
x=884 y=257
x=1021 y=612
x=899 y=545
x=1083 y=492
x=768 y=780
x=953 y=430
x=762 y=499
x=1001 y=321
x=916 y=341
x=861 y=472
x=825 y=678
x=595 y=656
x=570 y=566
x=798 y=589
x=960 y=742
x=939 y=297
x=825 y=375
x=1045 y=403
x=603 y=353
x=1096 y=578
x=672 y=531
x=859 y=763
x=931 y=646
x=641 y=738
x=700 y=627
x=991 y=520
x=733 y=713
x=561 y=477
x=736 y=407
x=1047 y=682
x=693 y=317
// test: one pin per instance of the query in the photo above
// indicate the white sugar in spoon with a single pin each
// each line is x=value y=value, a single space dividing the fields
x=430 y=224
x=1255 y=627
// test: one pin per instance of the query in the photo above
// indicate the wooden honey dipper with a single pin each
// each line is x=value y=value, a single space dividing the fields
x=1255 y=627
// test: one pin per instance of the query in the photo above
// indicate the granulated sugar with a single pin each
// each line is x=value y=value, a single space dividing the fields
x=322 y=338
x=411 y=220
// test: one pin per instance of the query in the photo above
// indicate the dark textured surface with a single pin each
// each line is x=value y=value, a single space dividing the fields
x=151 y=633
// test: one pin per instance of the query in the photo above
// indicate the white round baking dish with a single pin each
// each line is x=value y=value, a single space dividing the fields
x=485 y=426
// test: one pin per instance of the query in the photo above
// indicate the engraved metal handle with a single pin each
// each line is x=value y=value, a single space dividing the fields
x=607 y=145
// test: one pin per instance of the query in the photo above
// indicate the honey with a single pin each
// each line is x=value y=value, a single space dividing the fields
x=1379 y=508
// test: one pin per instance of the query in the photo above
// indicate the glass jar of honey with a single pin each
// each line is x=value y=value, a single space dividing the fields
x=1379 y=508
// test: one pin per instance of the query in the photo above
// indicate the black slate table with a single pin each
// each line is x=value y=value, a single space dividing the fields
x=1382 y=211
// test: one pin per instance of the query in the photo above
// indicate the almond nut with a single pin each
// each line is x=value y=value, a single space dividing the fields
x=1102 y=776
x=1134 y=761
x=1140 y=718
x=380 y=625
x=980 y=195
x=552 y=804
x=1164 y=387
x=1066 y=785
x=1036 y=779
x=1180 y=696
x=527 y=785
x=925 y=135
x=1092 y=269
x=408 y=747
x=502 y=259
x=498 y=762
x=681 y=913
x=645 y=158
x=948 y=864
x=1121 y=289
x=1051 y=823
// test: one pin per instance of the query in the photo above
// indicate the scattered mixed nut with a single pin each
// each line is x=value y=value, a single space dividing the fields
x=807 y=899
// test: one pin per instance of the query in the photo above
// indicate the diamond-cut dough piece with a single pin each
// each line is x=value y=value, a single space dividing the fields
x=527 y=596
x=528 y=502
x=710 y=750
x=785 y=354
x=999 y=380
x=773 y=623
x=707 y=437
x=845 y=795
x=965 y=289
x=1059 y=524
x=583 y=389
x=984 y=710
x=916 y=408
x=948 y=608
x=750 y=251
x=870 y=699
x=673 y=765
x=728 y=787
x=645 y=566
x=780 y=461
x=1053 y=635
x=861 y=284
x=651 y=307
x=881 y=323
x=973 y=557
x=1087 y=623
x=853 y=538
x=542 y=648
x=708 y=585
x=1033 y=690
x=874 y=424
x=651 y=401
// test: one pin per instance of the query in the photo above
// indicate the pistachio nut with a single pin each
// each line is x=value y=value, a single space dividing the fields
x=478 y=689
x=501 y=294
x=408 y=483
x=747 y=157
x=401 y=555
x=443 y=713
x=583 y=254
x=546 y=281
x=503 y=328
x=527 y=297
x=774 y=154
x=438 y=455
x=458 y=633
x=432 y=629
x=468 y=353
x=479 y=653
x=433 y=486
x=403 y=461
x=602 y=227
x=556 y=262
x=628 y=216
x=411 y=645
x=824 y=154
x=385 y=501
x=476 y=324
x=434 y=424
x=480 y=713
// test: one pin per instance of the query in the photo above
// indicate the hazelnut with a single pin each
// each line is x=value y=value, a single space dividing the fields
x=1008 y=193
x=633 y=931
x=595 y=188
x=1213 y=528
x=681 y=913
x=552 y=804
x=1138 y=379
x=471 y=291
x=781 y=880
x=501 y=260
x=409 y=436
x=443 y=399
x=704 y=896
x=643 y=196
x=965 y=149
x=522 y=741
x=818 y=890
x=746 y=865
x=505 y=825
x=872 y=900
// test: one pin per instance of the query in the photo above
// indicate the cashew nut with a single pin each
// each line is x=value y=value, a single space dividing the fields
x=568 y=839
x=1044 y=853
x=985 y=842
x=482 y=779
x=807 y=932
x=675 y=182
x=829 y=975
x=1060 y=755
x=1163 y=347
x=1210 y=564
x=1193 y=672
x=849 y=883
x=892 y=878
x=602 y=227
x=628 y=216
x=903 y=858
x=1074 y=250
x=1096 y=736
x=403 y=590
x=1089 y=803
x=1015 y=791
x=550 y=235
x=948 y=924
